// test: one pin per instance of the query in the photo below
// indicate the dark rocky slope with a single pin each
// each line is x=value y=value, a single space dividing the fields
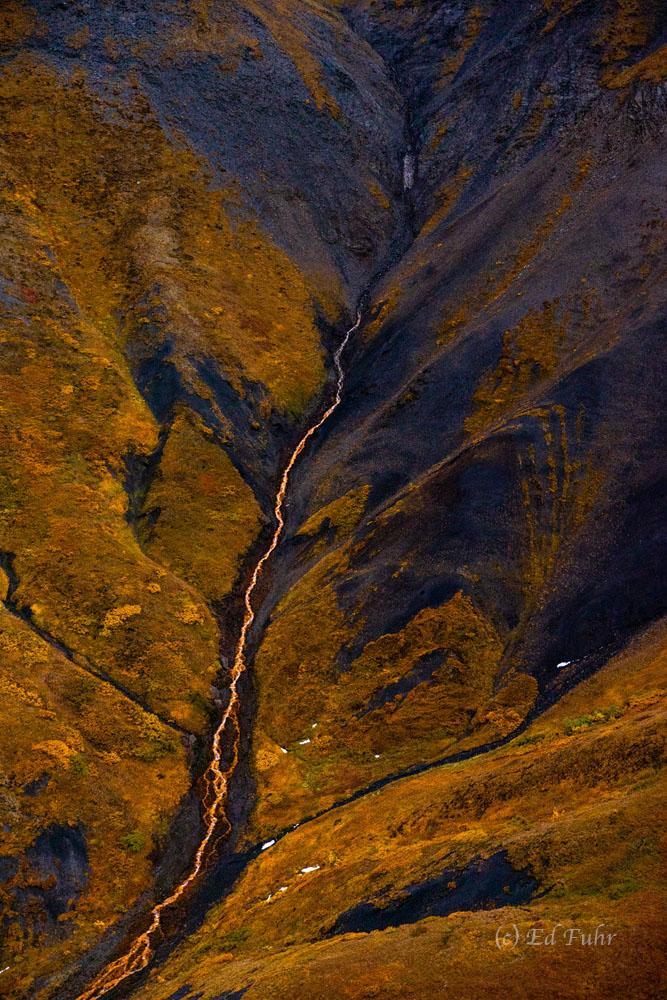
x=492 y=485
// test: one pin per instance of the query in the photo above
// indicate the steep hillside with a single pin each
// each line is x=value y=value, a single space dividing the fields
x=454 y=718
x=482 y=510
x=170 y=284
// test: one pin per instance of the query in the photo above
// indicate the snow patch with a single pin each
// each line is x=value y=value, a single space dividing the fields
x=409 y=170
x=268 y=844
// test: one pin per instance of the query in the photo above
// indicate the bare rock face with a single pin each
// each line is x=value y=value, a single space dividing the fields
x=46 y=884
x=452 y=715
x=506 y=519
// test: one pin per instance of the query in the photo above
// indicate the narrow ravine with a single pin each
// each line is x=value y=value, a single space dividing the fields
x=24 y=614
x=218 y=774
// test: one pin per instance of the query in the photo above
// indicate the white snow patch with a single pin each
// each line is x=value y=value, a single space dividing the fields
x=377 y=756
x=409 y=168
x=284 y=888
x=283 y=749
x=268 y=898
x=314 y=725
x=268 y=844
x=312 y=868
x=564 y=663
x=303 y=742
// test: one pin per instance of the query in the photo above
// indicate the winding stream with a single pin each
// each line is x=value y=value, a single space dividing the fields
x=217 y=775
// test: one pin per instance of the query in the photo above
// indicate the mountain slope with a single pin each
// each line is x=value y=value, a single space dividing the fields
x=165 y=313
x=509 y=522
x=195 y=198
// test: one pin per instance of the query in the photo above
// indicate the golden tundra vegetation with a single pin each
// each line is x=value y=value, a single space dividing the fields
x=114 y=236
x=578 y=798
x=160 y=343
